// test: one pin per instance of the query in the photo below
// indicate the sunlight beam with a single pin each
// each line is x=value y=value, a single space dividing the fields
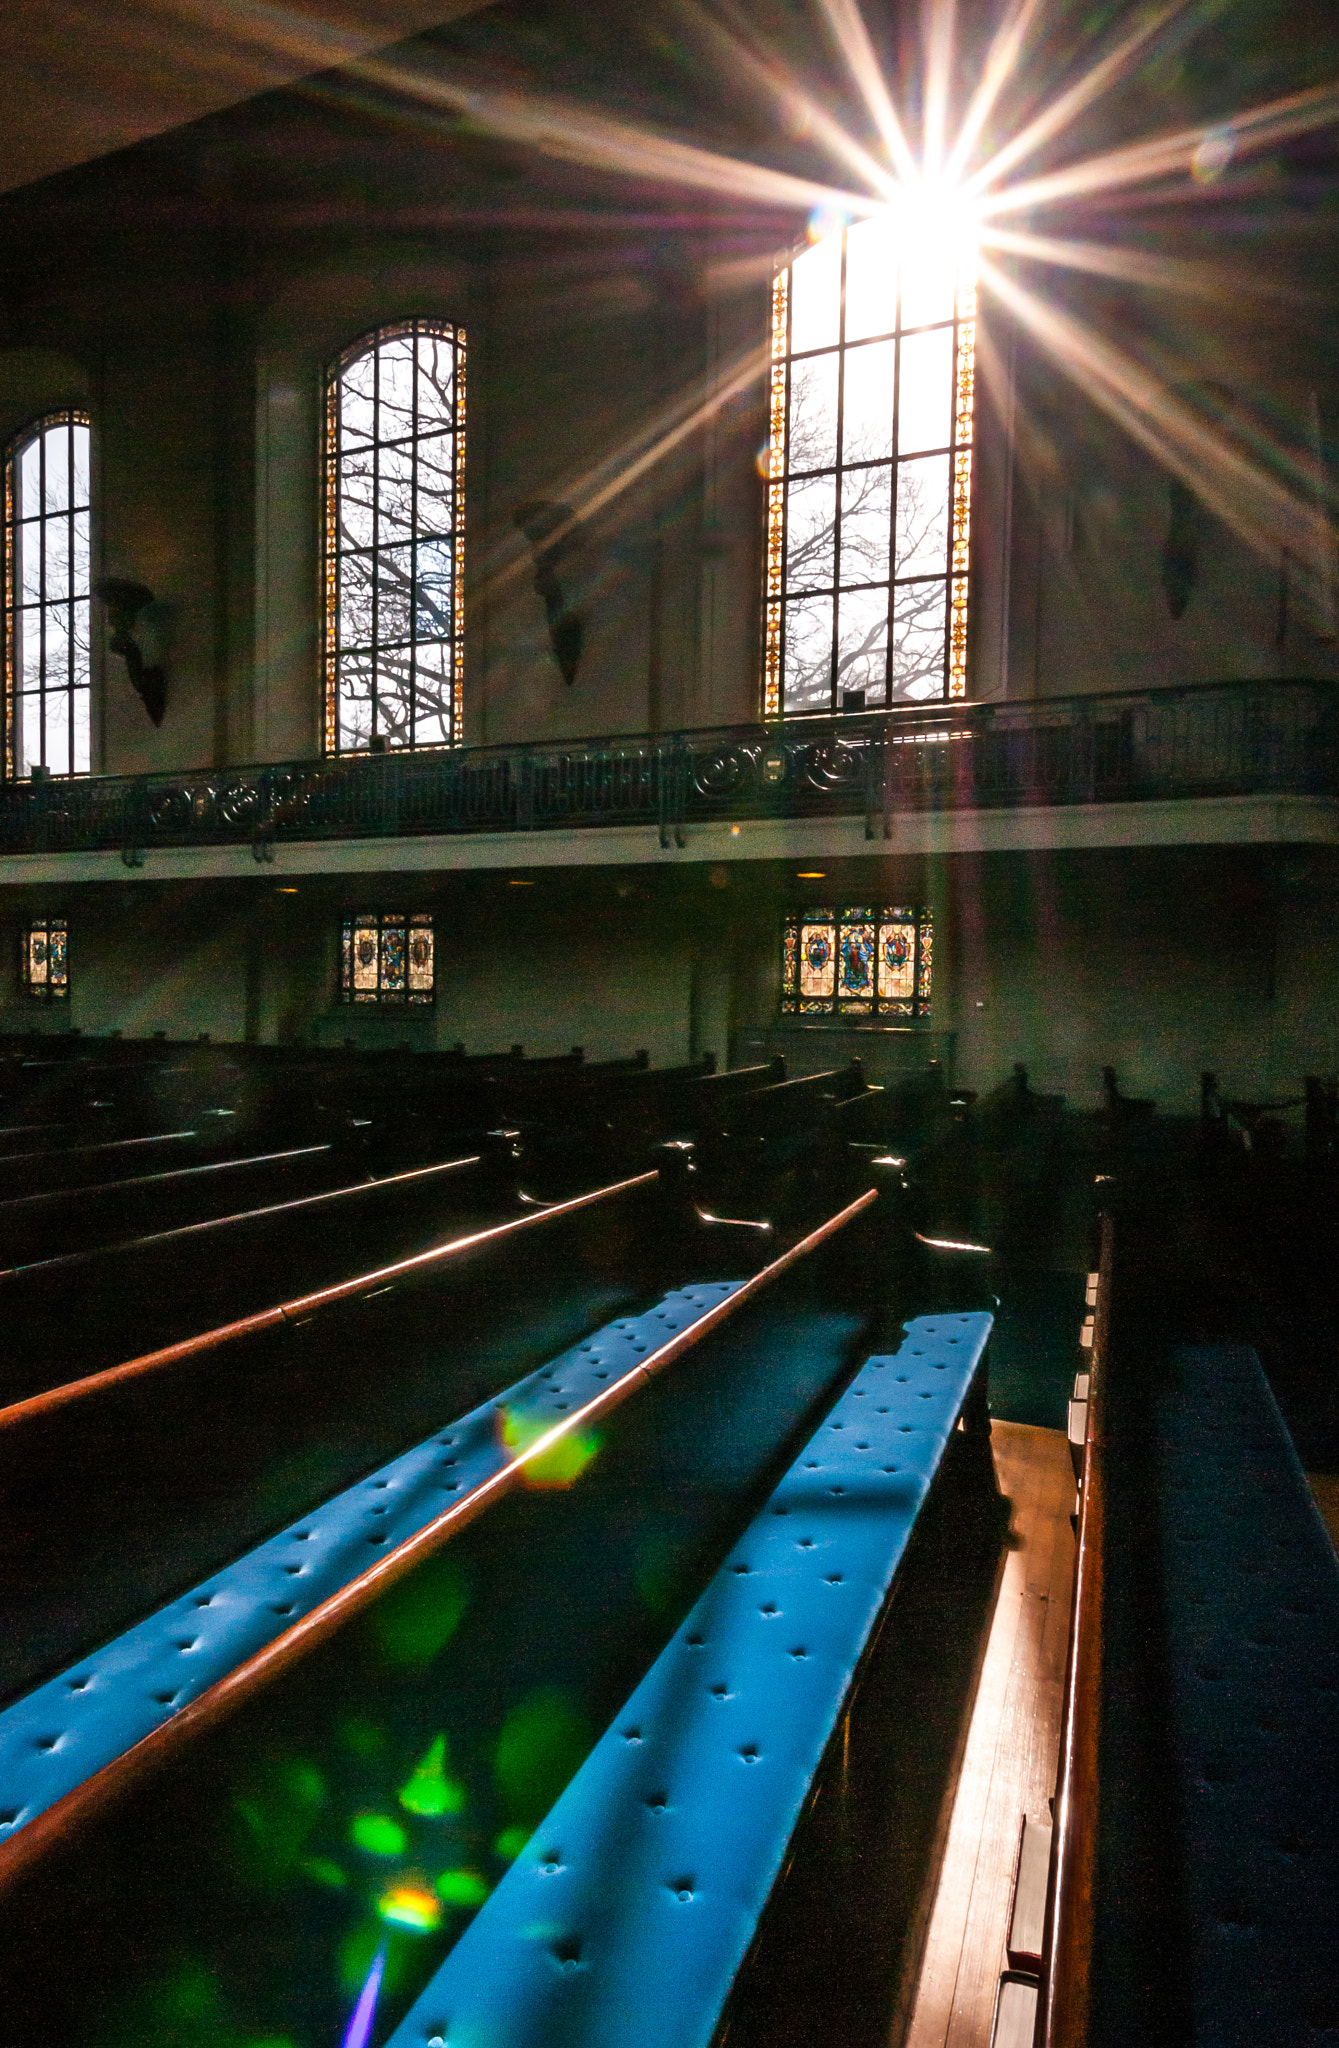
x=1162 y=155
x=939 y=20
x=846 y=25
x=571 y=134
x=1069 y=105
x=657 y=439
x=1143 y=267
x=1001 y=58
x=1262 y=511
x=735 y=45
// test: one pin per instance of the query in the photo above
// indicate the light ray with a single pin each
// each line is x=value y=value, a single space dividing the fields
x=1069 y=105
x=656 y=440
x=1142 y=267
x=1229 y=482
x=1001 y=58
x=938 y=25
x=800 y=111
x=847 y=27
x=1160 y=156
x=562 y=130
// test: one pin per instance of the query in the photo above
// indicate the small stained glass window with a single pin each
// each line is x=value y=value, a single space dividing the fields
x=394 y=539
x=44 y=960
x=387 y=957
x=856 y=961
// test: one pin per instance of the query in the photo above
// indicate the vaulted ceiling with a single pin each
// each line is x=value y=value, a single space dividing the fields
x=80 y=78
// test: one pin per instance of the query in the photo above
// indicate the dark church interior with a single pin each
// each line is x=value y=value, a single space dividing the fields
x=669 y=1024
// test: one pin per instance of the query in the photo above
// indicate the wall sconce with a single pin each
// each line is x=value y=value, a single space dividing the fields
x=549 y=529
x=127 y=603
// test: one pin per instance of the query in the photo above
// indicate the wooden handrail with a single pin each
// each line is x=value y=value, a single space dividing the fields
x=102 y=1145
x=61 y=1260
x=144 y=1180
x=1064 y=2010
x=97 y=1792
x=47 y=1402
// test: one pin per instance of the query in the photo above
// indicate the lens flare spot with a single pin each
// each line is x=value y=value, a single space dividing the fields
x=321 y=1870
x=362 y=1737
x=462 y=1888
x=430 y=1792
x=1213 y=153
x=418 y=1617
x=824 y=221
x=510 y=1843
x=543 y=1740
x=377 y=1835
x=562 y=1463
x=409 y=1903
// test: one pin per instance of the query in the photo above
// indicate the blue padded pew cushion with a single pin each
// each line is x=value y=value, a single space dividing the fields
x=64 y=1731
x=627 y=1916
x=1252 y=1601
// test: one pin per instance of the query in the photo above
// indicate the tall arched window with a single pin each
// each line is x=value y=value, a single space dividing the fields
x=870 y=470
x=48 y=721
x=394 y=539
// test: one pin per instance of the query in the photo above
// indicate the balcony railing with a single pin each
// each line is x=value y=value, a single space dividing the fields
x=1230 y=739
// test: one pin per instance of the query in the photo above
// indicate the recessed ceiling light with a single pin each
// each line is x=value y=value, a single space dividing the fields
x=812 y=875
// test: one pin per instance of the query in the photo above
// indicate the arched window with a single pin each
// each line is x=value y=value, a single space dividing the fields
x=48 y=721
x=394 y=539
x=869 y=471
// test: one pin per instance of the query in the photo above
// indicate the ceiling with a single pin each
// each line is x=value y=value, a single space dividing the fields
x=80 y=78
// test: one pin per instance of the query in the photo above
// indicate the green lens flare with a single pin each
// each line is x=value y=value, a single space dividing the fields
x=430 y=1792
x=565 y=1461
x=462 y=1888
x=542 y=1742
x=510 y=1843
x=418 y=1617
x=378 y=1835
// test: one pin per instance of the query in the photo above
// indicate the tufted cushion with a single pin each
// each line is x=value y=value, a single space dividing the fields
x=74 y=1725
x=627 y=1916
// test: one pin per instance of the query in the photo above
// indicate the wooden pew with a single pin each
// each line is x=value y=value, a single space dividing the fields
x=629 y=1913
x=80 y=1739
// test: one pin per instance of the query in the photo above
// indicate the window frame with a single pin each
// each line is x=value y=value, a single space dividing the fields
x=36 y=431
x=914 y=1007
x=334 y=549
x=959 y=452
x=386 y=994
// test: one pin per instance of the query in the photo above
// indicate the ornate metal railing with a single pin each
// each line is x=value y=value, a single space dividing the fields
x=1210 y=740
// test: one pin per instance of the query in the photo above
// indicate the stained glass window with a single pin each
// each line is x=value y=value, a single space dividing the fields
x=47 y=599
x=869 y=471
x=387 y=958
x=394 y=539
x=44 y=960
x=857 y=961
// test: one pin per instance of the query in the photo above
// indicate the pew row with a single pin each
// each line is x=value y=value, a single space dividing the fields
x=629 y=1913
x=76 y=1741
x=1252 y=1647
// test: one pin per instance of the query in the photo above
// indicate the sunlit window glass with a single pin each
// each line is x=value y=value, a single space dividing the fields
x=48 y=720
x=869 y=470
x=387 y=957
x=394 y=539
x=858 y=960
x=44 y=960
